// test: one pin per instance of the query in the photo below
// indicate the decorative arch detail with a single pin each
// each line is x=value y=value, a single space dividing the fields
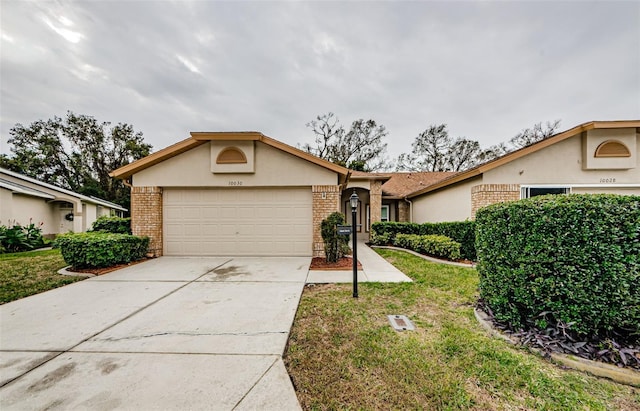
x=231 y=155
x=612 y=148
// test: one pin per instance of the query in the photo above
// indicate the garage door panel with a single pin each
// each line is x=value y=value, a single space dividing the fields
x=238 y=221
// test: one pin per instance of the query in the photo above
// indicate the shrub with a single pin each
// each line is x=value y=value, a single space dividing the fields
x=463 y=232
x=434 y=245
x=575 y=257
x=384 y=233
x=95 y=250
x=380 y=239
x=19 y=238
x=115 y=225
x=335 y=245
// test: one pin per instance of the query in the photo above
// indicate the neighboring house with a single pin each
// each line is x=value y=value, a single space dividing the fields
x=25 y=200
x=243 y=193
x=594 y=157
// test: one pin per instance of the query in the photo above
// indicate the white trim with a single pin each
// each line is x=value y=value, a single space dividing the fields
x=62 y=190
x=598 y=185
x=25 y=190
x=525 y=189
x=368 y=218
x=388 y=212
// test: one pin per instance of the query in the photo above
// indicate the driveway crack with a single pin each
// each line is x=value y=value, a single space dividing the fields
x=191 y=334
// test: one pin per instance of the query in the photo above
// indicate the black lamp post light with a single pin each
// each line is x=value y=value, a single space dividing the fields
x=354 y=208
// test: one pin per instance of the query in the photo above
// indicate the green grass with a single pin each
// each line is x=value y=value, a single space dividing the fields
x=33 y=272
x=342 y=353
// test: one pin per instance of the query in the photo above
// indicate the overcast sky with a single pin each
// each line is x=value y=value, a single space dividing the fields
x=486 y=69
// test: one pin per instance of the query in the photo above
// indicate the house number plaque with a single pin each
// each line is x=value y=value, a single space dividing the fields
x=608 y=180
x=235 y=183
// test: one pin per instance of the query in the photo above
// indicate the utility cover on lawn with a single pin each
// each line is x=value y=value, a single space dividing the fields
x=401 y=323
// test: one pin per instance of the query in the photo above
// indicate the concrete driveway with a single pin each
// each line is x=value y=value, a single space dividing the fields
x=170 y=333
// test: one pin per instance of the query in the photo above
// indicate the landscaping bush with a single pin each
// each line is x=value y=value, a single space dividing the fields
x=17 y=238
x=463 y=232
x=335 y=245
x=565 y=259
x=434 y=245
x=114 y=225
x=384 y=233
x=96 y=250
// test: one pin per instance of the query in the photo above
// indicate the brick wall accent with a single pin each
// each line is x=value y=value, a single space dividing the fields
x=486 y=194
x=146 y=216
x=326 y=200
x=403 y=211
x=375 y=201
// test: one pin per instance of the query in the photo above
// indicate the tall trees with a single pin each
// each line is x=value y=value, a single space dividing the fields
x=76 y=152
x=534 y=134
x=360 y=148
x=435 y=150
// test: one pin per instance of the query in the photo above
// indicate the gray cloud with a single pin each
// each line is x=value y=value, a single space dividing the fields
x=487 y=69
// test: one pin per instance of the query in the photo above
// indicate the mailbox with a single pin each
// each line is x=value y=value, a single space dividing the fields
x=344 y=229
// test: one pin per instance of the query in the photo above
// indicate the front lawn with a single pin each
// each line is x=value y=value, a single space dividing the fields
x=342 y=353
x=28 y=273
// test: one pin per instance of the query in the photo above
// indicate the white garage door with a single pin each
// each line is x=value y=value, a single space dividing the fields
x=238 y=221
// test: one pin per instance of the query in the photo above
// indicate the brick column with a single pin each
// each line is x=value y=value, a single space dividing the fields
x=375 y=200
x=326 y=200
x=486 y=194
x=403 y=211
x=146 y=216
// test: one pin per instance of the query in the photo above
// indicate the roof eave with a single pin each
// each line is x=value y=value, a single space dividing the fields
x=155 y=158
x=199 y=138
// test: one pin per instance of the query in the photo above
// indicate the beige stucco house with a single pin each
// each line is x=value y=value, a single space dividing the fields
x=24 y=200
x=238 y=193
x=243 y=193
x=595 y=157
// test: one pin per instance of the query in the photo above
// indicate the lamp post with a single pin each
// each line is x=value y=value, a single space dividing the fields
x=354 y=208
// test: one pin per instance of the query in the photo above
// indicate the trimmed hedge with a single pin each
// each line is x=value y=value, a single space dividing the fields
x=96 y=250
x=575 y=257
x=463 y=232
x=435 y=245
x=115 y=225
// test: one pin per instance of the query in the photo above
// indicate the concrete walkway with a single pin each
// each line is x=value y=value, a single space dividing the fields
x=375 y=269
x=167 y=334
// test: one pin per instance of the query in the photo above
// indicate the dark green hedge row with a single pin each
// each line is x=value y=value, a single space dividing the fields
x=115 y=225
x=576 y=257
x=463 y=232
x=95 y=250
x=434 y=245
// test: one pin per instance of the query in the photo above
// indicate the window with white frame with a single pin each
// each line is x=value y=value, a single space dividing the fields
x=533 y=191
x=384 y=213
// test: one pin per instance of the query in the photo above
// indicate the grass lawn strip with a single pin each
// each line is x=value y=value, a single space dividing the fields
x=33 y=272
x=342 y=353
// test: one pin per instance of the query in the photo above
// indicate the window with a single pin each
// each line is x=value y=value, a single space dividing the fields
x=368 y=219
x=384 y=213
x=528 y=192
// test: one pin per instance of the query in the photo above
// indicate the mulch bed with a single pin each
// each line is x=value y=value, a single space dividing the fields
x=105 y=270
x=343 y=264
